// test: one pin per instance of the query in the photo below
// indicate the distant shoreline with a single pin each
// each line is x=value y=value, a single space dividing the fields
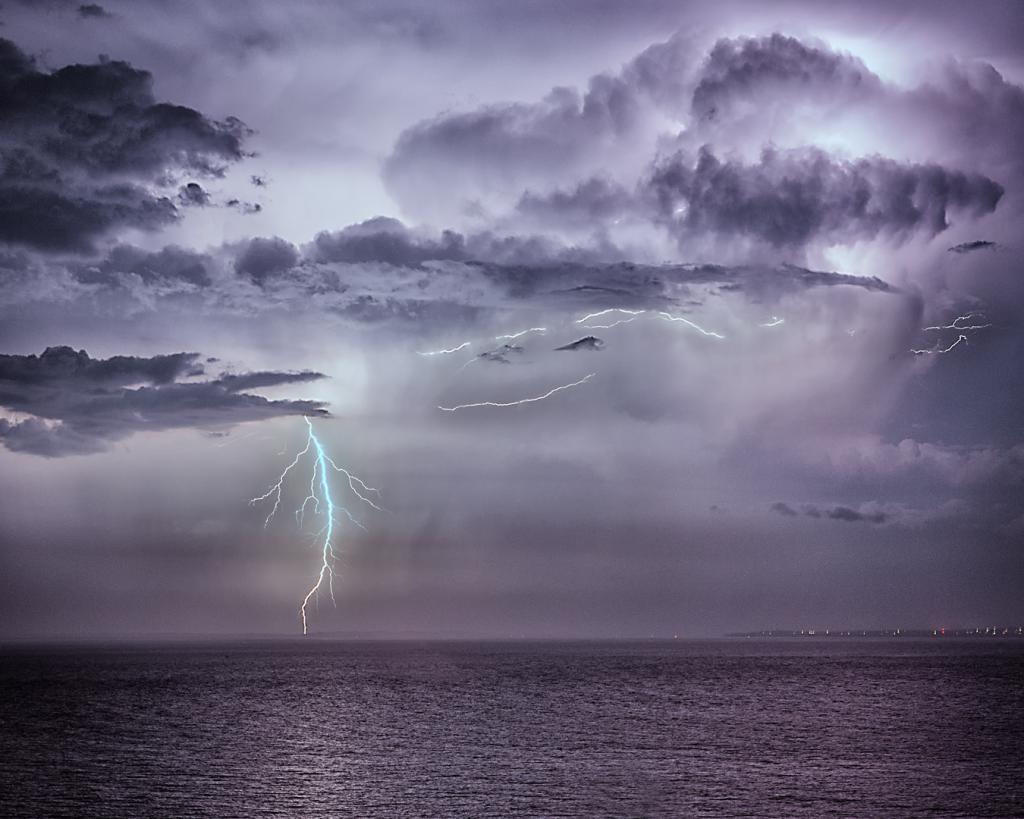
x=941 y=633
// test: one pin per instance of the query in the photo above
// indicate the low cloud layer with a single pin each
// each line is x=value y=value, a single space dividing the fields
x=80 y=405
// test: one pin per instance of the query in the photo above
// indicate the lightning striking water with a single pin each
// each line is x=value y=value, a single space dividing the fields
x=697 y=327
x=521 y=333
x=317 y=495
x=633 y=315
x=462 y=346
x=936 y=349
x=532 y=400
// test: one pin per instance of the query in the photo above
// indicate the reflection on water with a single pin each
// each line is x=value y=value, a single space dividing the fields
x=714 y=728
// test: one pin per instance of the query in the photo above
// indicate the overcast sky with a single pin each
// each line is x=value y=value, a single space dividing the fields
x=787 y=239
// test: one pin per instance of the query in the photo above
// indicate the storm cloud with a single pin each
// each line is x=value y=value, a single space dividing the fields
x=79 y=405
x=85 y=149
x=792 y=198
x=747 y=70
x=780 y=215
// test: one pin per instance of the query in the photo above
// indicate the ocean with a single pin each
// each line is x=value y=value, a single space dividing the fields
x=311 y=728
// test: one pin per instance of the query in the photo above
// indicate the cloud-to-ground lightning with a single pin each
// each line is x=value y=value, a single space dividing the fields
x=521 y=333
x=319 y=492
x=775 y=322
x=936 y=349
x=697 y=327
x=449 y=351
x=516 y=403
x=633 y=315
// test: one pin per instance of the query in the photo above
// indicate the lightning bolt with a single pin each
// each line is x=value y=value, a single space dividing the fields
x=521 y=333
x=633 y=314
x=532 y=400
x=775 y=322
x=319 y=492
x=462 y=346
x=955 y=324
x=697 y=327
x=934 y=350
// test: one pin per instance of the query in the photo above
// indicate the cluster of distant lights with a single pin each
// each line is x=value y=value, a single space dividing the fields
x=993 y=631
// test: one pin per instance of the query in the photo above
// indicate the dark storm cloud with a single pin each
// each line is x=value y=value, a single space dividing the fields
x=747 y=70
x=644 y=284
x=62 y=366
x=81 y=144
x=79 y=405
x=260 y=259
x=977 y=244
x=248 y=208
x=585 y=343
x=93 y=11
x=500 y=355
x=793 y=197
x=252 y=381
x=193 y=194
x=841 y=513
x=380 y=270
x=545 y=160
x=42 y=209
x=848 y=515
x=386 y=240
x=170 y=264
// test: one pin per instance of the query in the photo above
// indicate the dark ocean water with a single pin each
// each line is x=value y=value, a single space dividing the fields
x=687 y=729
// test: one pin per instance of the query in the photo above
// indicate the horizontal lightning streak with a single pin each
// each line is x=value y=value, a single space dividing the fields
x=633 y=313
x=962 y=338
x=521 y=333
x=613 y=324
x=955 y=325
x=532 y=400
x=462 y=346
x=697 y=327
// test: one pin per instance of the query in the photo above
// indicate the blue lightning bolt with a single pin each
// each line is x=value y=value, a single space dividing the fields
x=321 y=462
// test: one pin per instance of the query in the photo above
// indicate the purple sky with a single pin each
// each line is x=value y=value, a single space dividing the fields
x=218 y=218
